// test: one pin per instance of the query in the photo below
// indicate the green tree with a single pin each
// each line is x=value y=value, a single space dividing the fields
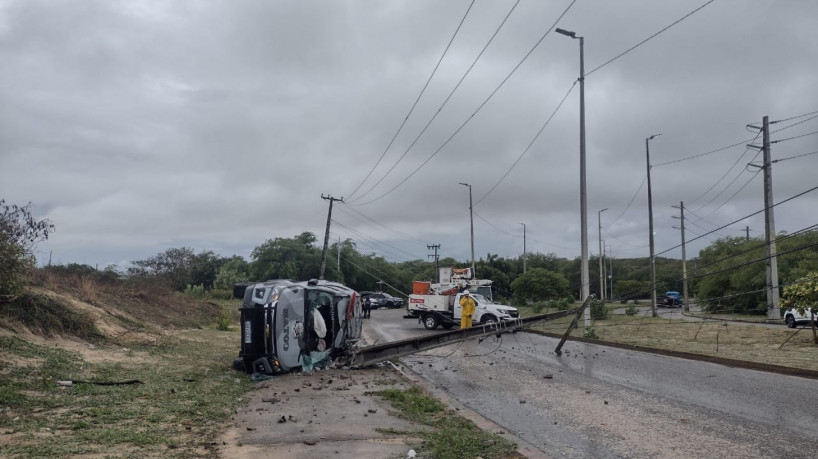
x=179 y=267
x=234 y=270
x=19 y=234
x=287 y=258
x=803 y=294
x=539 y=284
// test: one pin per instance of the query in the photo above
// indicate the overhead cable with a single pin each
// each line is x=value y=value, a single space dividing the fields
x=650 y=37
x=480 y=107
x=745 y=217
x=529 y=145
x=422 y=91
x=440 y=109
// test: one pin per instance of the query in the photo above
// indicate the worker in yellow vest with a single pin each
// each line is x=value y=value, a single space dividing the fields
x=469 y=305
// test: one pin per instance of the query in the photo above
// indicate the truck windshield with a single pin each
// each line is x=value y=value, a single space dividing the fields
x=480 y=298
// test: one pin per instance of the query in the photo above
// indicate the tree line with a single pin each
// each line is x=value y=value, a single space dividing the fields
x=727 y=275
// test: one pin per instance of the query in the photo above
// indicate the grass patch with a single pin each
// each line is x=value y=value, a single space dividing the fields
x=453 y=436
x=186 y=398
x=729 y=340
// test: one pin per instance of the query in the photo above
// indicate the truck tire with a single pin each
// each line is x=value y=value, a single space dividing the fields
x=488 y=318
x=790 y=321
x=430 y=321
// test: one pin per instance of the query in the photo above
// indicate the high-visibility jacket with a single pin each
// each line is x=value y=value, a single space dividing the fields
x=468 y=304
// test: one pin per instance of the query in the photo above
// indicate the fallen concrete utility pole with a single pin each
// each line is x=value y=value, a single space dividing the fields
x=371 y=355
x=573 y=325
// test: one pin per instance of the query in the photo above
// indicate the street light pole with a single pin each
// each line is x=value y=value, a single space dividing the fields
x=650 y=229
x=583 y=197
x=601 y=271
x=524 y=257
x=471 y=222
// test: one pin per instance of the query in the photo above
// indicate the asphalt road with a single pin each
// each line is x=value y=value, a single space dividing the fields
x=595 y=401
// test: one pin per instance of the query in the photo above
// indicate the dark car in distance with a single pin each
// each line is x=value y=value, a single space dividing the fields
x=382 y=300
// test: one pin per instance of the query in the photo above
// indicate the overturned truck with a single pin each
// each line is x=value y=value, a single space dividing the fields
x=287 y=325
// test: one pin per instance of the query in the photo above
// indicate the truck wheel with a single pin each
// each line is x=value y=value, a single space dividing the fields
x=790 y=321
x=488 y=319
x=430 y=321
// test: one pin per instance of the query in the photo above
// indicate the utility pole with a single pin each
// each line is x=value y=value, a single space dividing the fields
x=326 y=235
x=339 y=254
x=471 y=222
x=769 y=220
x=650 y=229
x=681 y=207
x=601 y=256
x=747 y=237
x=435 y=247
x=524 y=252
x=610 y=271
x=769 y=223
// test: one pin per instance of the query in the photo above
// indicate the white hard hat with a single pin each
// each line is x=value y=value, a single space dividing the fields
x=465 y=292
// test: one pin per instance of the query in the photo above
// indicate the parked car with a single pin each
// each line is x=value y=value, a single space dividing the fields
x=382 y=300
x=667 y=301
x=792 y=318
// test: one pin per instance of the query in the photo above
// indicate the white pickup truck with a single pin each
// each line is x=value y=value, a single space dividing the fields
x=445 y=310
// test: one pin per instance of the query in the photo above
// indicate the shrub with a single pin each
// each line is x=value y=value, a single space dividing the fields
x=224 y=320
x=631 y=309
x=19 y=233
x=598 y=310
x=196 y=291
x=590 y=333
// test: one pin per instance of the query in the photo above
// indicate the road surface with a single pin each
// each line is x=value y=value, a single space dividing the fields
x=595 y=401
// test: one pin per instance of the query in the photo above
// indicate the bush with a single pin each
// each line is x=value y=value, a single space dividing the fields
x=224 y=320
x=19 y=233
x=598 y=310
x=590 y=333
x=631 y=309
x=196 y=291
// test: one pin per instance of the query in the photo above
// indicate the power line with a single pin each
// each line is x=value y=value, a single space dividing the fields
x=745 y=217
x=764 y=258
x=759 y=246
x=796 y=137
x=362 y=236
x=411 y=110
x=793 y=117
x=632 y=199
x=439 y=109
x=529 y=145
x=650 y=37
x=743 y=142
x=734 y=194
x=480 y=107
x=726 y=173
x=375 y=222
x=794 y=157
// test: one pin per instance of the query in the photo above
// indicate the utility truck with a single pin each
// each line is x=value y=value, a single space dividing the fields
x=439 y=304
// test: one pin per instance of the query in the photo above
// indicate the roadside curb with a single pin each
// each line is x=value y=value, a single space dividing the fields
x=769 y=368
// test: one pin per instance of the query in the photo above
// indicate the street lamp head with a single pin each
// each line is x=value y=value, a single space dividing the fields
x=603 y=210
x=654 y=135
x=566 y=33
x=464 y=184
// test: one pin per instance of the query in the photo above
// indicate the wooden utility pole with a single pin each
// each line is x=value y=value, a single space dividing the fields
x=326 y=235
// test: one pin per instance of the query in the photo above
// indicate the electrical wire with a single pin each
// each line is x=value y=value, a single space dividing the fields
x=743 y=142
x=794 y=117
x=734 y=194
x=759 y=246
x=480 y=107
x=375 y=222
x=363 y=237
x=650 y=37
x=411 y=110
x=439 y=109
x=530 y=144
x=745 y=217
x=726 y=173
x=794 y=157
x=631 y=201
x=796 y=137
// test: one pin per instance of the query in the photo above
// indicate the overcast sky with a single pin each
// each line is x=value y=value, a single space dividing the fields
x=138 y=126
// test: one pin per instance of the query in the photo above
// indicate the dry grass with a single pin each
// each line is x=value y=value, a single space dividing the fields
x=776 y=345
